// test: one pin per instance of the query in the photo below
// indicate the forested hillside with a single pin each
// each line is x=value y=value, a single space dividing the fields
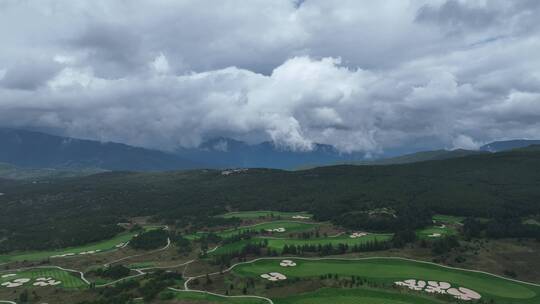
x=505 y=184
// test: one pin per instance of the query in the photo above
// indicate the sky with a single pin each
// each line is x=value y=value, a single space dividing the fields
x=363 y=76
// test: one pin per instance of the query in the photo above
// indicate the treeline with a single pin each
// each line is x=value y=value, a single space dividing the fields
x=68 y=212
x=406 y=218
x=261 y=248
x=126 y=292
x=500 y=228
x=73 y=232
x=151 y=239
x=113 y=272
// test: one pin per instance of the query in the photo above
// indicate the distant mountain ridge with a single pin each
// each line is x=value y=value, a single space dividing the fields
x=30 y=149
x=505 y=145
x=35 y=150
x=422 y=156
x=226 y=152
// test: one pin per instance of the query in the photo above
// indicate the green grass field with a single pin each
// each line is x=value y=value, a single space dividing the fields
x=278 y=244
x=42 y=255
x=198 y=297
x=264 y=214
x=289 y=226
x=390 y=270
x=69 y=280
x=448 y=219
x=446 y=231
x=356 y=296
x=531 y=222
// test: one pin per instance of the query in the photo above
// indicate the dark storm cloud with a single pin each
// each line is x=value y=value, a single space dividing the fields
x=457 y=16
x=361 y=75
x=29 y=75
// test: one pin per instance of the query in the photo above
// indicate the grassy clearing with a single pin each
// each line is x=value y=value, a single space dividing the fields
x=288 y=225
x=390 y=270
x=264 y=214
x=531 y=222
x=355 y=296
x=434 y=230
x=345 y=239
x=278 y=244
x=68 y=279
x=196 y=297
x=105 y=245
x=448 y=219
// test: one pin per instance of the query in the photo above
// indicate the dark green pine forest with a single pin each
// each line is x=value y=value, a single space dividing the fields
x=500 y=187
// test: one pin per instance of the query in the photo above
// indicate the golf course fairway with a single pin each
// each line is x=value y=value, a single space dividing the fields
x=289 y=226
x=199 y=297
x=388 y=270
x=264 y=214
x=356 y=296
x=68 y=279
x=102 y=246
x=279 y=243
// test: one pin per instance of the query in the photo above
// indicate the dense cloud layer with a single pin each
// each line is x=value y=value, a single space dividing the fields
x=361 y=75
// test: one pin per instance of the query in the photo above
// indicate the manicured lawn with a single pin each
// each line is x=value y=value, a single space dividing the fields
x=42 y=255
x=391 y=270
x=345 y=239
x=196 y=297
x=290 y=226
x=531 y=222
x=68 y=279
x=263 y=214
x=446 y=231
x=278 y=244
x=448 y=219
x=356 y=296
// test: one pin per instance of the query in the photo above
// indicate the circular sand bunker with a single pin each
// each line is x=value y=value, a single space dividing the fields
x=280 y=229
x=15 y=283
x=463 y=293
x=47 y=282
x=357 y=235
x=287 y=263
x=460 y=293
x=273 y=276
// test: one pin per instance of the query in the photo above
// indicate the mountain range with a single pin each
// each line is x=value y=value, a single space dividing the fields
x=26 y=152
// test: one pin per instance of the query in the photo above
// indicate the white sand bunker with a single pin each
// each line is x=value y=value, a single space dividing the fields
x=8 y=275
x=442 y=226
x=280 y=229
x=120 y=245
x=434 y=235
x=287 y=263
x=357 y=235
x=63 y=255
x=437 y=287
x=16 y=283
x=11 y=284
x=273 y=276
x=461 y=293
x=300 y=217
x=90 y=252
x=412 y=284
x=46 y=282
